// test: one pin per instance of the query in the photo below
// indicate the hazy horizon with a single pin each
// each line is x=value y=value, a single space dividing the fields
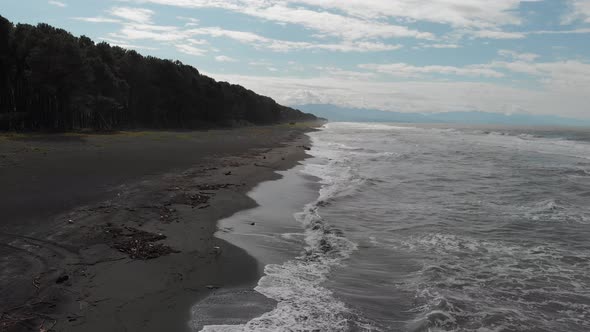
x=335 y=113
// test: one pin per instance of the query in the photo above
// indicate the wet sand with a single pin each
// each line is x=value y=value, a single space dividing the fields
x=116 y=232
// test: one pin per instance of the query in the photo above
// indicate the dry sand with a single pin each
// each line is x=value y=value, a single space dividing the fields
x=116 y=232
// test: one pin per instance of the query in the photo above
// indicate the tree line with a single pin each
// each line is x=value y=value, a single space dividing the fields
x=51 y=80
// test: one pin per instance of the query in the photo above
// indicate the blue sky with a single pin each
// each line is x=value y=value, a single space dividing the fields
x=508 y=56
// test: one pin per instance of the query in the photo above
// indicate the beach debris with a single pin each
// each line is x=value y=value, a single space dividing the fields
x=37 y=283
x=62 y=279
x=197 y=199
x=138 y=244
x=216 y=251
x=228 y=173
x=212 y=287
x=187 y=198
x=167 y=214
x=252 y=224
x=42 y=327
x=215 y=186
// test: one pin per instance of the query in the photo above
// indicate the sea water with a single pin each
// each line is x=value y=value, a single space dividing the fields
x=430 y=228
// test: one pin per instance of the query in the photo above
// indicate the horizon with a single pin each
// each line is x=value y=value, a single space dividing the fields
x=507 y=57
x=334 y=113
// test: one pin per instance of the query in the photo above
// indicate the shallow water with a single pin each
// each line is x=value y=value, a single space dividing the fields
x=429 y=228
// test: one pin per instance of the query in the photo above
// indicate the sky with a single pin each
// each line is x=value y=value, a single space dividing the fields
x=505 y=56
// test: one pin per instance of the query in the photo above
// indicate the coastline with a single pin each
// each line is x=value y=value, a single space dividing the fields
x=75 y=272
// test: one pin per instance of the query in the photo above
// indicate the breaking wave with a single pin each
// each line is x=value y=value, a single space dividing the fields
x=297 y=285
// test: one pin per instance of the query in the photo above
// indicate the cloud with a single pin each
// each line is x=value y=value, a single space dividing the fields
x=97 y=19
x=123 y=44
x=190 y=50
x=406 y=70
x=460 y=14
x=439 y=46
x=561 y=32
x=224 y=58
x=322 y=22
x=371 y=20
x=496 y=34
x=518 y=56
x=190 y=21
x=347 y=28
x=335 y=72
x=57 y=3
x=560 y=75
x=140 y=31
x=137 y=15
x=579 y=11
x=133 y=31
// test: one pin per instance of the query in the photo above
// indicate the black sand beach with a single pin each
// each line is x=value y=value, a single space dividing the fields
x=116 y=232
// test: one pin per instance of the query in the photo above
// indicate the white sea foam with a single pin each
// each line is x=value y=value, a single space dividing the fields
x=297 y=285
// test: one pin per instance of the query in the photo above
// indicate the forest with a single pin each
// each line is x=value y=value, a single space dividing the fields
x=51 y=80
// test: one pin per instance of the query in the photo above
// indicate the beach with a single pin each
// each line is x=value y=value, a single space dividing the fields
x=115 y=232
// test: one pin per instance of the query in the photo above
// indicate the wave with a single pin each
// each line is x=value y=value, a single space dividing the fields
x=304 y=304
x=481 y=285
x=555 y=211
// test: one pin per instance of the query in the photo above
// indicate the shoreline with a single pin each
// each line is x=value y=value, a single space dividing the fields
x=79 y=274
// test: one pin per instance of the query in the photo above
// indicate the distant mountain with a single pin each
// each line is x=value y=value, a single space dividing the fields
x=344 y=114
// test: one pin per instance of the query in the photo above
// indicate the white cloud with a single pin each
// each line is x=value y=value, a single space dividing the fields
x=224 y=58
x=57 y=3
x=579 y=11
x=335 y=72
x=323 y=22
x=567 y=75
x=97 y=19
x=368 y=20
x=190 y=50
x=190 y=20
x=406 y=70
x=458 y=13
x=193 y=41
x=496 y=34
x=123 y=44
x=561 y=32
x=518 y=56
x=139 y=31
x=345 y=27
x=439 y=46
x=137 y=15
x=134 y=31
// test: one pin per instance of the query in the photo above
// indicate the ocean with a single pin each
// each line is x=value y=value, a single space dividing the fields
x=392 y=227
